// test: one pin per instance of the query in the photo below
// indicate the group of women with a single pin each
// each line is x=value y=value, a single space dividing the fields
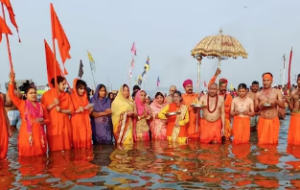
x=73 y=121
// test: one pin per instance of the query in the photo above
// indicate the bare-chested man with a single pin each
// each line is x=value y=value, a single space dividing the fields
x=169 y=98
x=242 y=108
x=266 y=101
x=12 y=111
x=251 y=94
x=293 y=100
x=213 y=121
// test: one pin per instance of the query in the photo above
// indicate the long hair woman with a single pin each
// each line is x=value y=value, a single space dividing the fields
x=122 y=116
x=80 y=120
x=32 y=138
x=60 y=108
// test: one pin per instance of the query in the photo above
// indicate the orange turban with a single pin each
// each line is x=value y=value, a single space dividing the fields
x=267 y=76
x=187 y=82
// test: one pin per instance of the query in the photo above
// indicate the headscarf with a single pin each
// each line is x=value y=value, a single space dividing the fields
x=140 y=106
x=223 y=81
x=187 y=82
x=121 y=105
x=78 y=101
x=100 y=104
x=156 y=107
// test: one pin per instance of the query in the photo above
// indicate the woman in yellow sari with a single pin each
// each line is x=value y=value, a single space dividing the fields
x=123 y=111
x=176 y=128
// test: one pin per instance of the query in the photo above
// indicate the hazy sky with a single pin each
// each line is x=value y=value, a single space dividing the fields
x=166 y=30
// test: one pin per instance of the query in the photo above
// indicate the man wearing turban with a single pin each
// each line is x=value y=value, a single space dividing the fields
x=267 y=101
x=227 y=104
x=193 y=127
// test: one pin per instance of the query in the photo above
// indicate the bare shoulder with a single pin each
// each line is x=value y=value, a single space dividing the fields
x=249 y=100
x=221 y=99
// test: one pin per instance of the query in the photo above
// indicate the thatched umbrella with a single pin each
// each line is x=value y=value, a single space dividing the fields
x=218 y=46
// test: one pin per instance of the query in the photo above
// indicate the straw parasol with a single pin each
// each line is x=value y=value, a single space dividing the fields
x=218 y=46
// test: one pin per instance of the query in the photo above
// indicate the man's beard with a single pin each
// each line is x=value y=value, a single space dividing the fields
x=223 y=91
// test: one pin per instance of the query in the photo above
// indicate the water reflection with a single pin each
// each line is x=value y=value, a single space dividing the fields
x=158 y=165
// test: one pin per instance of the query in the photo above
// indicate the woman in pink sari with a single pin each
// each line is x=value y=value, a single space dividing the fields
x=158 y=126
x=144 y=116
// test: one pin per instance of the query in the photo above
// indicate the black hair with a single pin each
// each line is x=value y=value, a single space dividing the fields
x=26 y=86
x=255 y=83
x=298 y=76
x=178 y=93
x=108 y=95
x=81 y=83
x=267 y=73
x=125 y=85
x=59 y=79
x=159 y=94
x=136 y=87
x=242 y=86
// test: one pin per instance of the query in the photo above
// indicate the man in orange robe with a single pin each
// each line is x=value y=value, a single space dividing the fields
x=266 y=101
x=193 y=127
x=293 y=100
x=227 y=102
x=5 y=130
x=213 y=121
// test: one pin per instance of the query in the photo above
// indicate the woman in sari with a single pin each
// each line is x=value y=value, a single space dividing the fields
x=32 y=138
x=80 y=120
x=60 y=107
x=101 y=117
x=144 y=115
x=122 y=116
x=176 y=128
x=158 y=126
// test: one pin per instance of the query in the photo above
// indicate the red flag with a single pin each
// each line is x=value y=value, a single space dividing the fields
x=133 y=49
x=49 y=62
x=4 y=29
x=58 y=33
x=289 y=71
x=205 y=85
x=11 y=15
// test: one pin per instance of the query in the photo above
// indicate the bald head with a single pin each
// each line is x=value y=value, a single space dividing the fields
x=213 y=85
x=213 y=89
x=172 y=89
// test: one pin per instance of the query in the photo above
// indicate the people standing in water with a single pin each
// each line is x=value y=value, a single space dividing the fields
x=122 y=116
x=144 y=115
x=242 y=108
x=189 y=97
x=223 y=84
x=158 y=127
x=32 y=139
x=80 y=120
x=12 y=110
x=266 y=101
x=251 y=94
x=60 y=108
x=213 y=119
x=101 y=117
x=5 y=130
x=177 y=124
x=293 y=100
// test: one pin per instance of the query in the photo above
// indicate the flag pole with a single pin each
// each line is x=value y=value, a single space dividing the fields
x=7 y=42
x=93 y=78
x=283 y=71
x=54 y=50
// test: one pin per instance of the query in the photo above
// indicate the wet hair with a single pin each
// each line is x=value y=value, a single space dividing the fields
x=135 y=87
x=159 y=94
x=242 y=86
x=255 y=83
x=81 y=83
x=59 y=79
x=267 y=73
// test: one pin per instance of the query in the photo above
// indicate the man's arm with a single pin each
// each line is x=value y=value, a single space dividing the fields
x=280 y=101
x=256 y=102
x=8 y=101
x=222 y=115
x=232 y=111
x=252 y=112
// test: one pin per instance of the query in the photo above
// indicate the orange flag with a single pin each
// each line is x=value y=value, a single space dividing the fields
x=3 y=28
x=58 y=33
x=11 y=14
x=50 y=67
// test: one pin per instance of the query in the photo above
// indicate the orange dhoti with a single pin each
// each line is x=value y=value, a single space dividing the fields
x=268 y=130
x=241 y=130
x=294 y=129
x=210 y=131
x=3 y=131
x=227 y=130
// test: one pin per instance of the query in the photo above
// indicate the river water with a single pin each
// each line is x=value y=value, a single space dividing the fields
x=158 y=165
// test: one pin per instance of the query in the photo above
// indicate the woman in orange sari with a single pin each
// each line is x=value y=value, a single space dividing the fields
x=176 y=128
x=158 y=126
x=5 y=130
x=122 y=109
x=32 y=138
x=80 y=120
x=60 y=107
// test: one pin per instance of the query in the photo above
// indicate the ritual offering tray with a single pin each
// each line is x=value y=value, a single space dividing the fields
x=267 y=105
x=173 y=113
x=198 y=105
